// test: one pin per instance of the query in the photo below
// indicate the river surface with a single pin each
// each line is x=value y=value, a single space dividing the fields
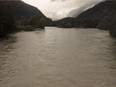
x=57 y=57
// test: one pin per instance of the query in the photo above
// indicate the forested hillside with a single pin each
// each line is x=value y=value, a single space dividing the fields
x=102 y=16
x=7 y=22
x=21 y=15
x=25 y=14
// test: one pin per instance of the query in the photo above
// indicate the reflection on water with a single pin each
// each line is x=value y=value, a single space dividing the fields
x=6 y=46
x=113 y=58
x=58 y=58
x=113 y=48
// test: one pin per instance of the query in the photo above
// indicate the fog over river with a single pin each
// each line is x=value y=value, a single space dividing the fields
x=57 y=57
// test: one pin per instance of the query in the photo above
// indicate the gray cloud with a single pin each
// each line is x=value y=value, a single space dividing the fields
x=77 y=11
x=57 y=0
x=52 y=0
x=56 y=9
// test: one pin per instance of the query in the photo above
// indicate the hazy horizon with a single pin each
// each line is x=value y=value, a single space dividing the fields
x=57 y=9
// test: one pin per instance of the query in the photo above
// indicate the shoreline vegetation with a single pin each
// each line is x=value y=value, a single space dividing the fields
x=101 y=16
x=29 y=28
x=18 y=16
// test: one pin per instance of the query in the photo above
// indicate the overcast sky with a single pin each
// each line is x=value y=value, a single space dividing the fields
x=56 y=9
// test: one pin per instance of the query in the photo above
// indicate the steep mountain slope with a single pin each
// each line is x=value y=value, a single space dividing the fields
x=98 y=16
x=65 y=22
x=22 y=9
x=102 y=16
x=74 y=13
x=24 y=14
x=7 y=24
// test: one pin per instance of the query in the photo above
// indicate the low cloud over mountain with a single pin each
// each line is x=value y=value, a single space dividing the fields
x=62 y=8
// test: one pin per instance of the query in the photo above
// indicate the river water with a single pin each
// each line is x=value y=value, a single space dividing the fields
x=57 y=57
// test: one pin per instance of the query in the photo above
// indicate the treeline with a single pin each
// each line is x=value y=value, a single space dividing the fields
x=7 y=22
x=28 y=17
x=101 y=16
x=17 y=15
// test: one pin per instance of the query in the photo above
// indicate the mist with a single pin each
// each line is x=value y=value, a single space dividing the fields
x=57 y=9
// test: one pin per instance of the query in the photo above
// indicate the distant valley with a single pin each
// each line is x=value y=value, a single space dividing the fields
x=17 y=14
x=101 y=16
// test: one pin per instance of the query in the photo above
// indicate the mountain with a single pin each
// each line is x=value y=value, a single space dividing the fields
x=21 y=15
x=98 y=16
x=102 y=16
x=74 y=13
x=22 y=9
x=24 y=14
x=7 y=23
x=65 y=22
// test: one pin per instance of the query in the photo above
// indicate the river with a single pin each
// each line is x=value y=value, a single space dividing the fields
x=57 y=57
